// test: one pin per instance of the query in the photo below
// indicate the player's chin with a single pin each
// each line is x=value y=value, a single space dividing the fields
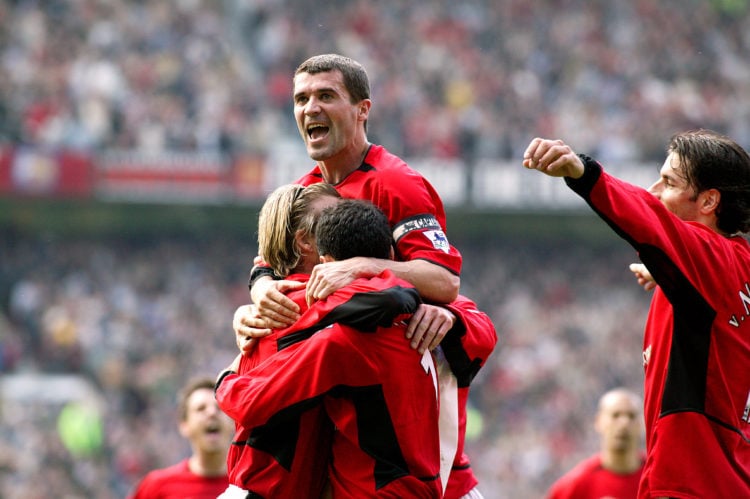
x=214 y=441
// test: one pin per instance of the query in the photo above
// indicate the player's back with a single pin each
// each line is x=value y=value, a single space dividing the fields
x=386 y=415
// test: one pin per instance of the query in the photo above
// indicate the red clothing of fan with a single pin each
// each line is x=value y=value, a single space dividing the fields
x=696 y=349
x=178 y=482
x=413 y=207
x=589 y=480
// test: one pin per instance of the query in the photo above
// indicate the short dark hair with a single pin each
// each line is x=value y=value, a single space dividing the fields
x=355 y=77
x=353 y=227
x=710 y=160
x=187 y=390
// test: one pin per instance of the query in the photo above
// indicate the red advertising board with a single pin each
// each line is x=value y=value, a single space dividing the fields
x=39 y=172
x=163 y=176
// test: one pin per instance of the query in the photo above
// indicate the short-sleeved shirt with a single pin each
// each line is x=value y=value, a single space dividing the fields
x=178 y=482
x=590 y=480
x=412 y=205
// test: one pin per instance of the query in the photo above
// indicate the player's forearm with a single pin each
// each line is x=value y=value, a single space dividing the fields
x=434 y=283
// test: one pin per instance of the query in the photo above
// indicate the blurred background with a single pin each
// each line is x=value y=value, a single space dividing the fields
x=138 y=140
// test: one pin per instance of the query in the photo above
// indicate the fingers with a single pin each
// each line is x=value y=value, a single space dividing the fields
x=428 y=326
x=245 y=344
x=276 y=308
x=415 y=322
x=537 y=155
x=318 y=290
x=553 y=158
x=643 y=276
x=248 y=322
x=247 y=326
x=329 y=277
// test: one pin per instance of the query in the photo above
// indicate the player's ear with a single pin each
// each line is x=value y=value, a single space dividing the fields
x=184 y=429
x=709 y=200
x=326 y=259
x=364 y=108
x=304 y=242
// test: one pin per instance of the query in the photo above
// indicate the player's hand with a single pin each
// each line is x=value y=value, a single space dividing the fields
x=553 y=158
x=644 y=277
x=428 y=326
x=248 y=326
x=331 y=276
x=274 y=306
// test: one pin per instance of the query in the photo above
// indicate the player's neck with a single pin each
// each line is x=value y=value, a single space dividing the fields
x=621 y=462
x=337 y=168
x=208 y=464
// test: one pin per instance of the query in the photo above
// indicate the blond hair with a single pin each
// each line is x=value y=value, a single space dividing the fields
x=286 y=212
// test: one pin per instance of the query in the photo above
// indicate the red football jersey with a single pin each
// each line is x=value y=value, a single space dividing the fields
x=466 y=347
x=178 y=482
x=413 y=207
x=260 y=460
x=379 y=393
x=696 y=349
x=589 y=480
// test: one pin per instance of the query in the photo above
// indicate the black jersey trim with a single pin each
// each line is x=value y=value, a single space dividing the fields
x=416 y=222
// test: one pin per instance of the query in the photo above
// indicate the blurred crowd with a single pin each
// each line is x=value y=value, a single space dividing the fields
x=450 y=79
x=136 y=318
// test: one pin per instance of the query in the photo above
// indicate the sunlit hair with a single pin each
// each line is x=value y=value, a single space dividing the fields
x=286 y=212
x=190 y=387
x=710 y=160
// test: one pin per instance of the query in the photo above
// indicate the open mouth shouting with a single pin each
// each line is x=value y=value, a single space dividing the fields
x=317 y=131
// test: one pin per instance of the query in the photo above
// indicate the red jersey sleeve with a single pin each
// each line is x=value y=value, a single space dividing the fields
x=470 y=342
x=412 y=205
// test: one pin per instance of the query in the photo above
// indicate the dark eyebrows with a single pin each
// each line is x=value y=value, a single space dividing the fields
x=325 y=90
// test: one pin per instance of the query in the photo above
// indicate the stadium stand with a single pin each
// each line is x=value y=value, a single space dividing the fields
x=131 y=316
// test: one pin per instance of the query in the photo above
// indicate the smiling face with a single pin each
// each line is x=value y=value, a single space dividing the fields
x=331 y=125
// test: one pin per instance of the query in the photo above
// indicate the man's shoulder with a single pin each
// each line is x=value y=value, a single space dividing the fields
x=168 y=472
x=381 y=159
x=567 y=484
x=581 y=470
x=155 y=479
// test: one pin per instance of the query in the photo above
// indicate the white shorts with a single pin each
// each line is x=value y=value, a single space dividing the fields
x=473 y=494
x=233 y=492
